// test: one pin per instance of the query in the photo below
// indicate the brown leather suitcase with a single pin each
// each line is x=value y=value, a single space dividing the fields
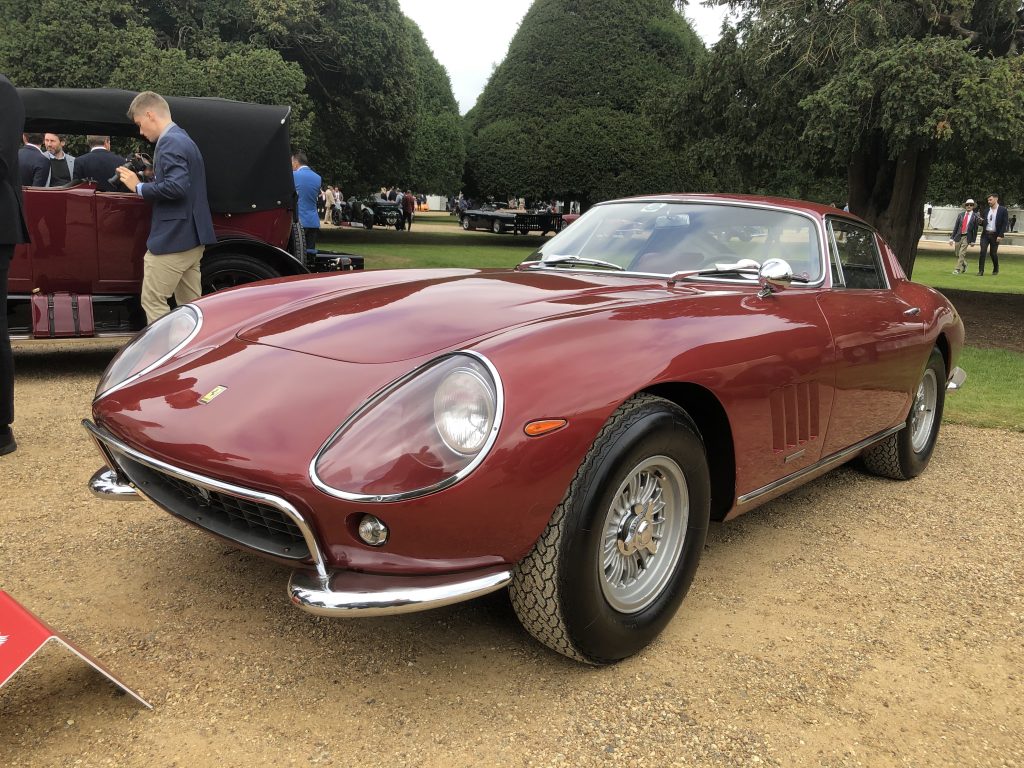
x=62 y=315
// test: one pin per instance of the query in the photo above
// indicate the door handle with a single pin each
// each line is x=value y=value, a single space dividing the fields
x=912 y=311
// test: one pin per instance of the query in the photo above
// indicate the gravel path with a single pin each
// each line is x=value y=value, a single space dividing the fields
x=856 y=621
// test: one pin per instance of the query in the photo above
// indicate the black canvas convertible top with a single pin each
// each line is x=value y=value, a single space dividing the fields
x=246 y=147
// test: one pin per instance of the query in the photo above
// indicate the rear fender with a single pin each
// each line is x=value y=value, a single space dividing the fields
x=282 y=261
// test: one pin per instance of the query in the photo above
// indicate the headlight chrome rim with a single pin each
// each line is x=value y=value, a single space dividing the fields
x=196 y=311
x=384 y=392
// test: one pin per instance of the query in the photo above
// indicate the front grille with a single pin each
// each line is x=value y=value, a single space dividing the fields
x=253 y=524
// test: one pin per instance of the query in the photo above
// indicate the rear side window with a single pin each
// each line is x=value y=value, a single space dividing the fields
x=855 y=256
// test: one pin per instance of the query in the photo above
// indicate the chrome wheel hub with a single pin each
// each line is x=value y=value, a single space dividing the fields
x=644 y=530
x=922 y=412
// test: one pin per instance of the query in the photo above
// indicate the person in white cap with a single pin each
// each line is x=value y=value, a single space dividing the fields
x=965 y=232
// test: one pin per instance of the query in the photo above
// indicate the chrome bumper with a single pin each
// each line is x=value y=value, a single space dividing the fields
x=956 y=379
x=320 y=590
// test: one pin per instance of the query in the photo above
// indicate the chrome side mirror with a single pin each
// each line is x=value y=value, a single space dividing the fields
x=774 y=275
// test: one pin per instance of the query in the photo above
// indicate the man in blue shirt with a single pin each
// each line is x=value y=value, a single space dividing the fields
x=307 y=186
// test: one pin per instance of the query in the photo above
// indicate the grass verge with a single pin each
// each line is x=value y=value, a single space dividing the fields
x=935 y=262
x=991 y=395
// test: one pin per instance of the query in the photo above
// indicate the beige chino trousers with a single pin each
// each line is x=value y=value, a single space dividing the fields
x=170 y=274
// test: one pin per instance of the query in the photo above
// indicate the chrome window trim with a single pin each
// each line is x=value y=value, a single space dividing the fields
x=815 y=221
x=879 y=264
x=162 y=360
x=110 y=446
x=385 y=391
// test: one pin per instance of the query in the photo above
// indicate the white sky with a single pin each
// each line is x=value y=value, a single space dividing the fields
x=471 y=37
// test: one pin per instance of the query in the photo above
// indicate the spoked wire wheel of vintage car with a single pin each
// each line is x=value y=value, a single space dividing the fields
x=227 y=270
x=467 y=224
x=907 y=453
x=620 y=551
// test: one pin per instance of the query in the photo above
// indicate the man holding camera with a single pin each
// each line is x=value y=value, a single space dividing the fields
x=181 y=225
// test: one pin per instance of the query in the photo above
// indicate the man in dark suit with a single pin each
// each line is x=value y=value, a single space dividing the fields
x=35 y=166
x=12 y=232
x=99 y=164
x=181 y=225
x=994 y=220
x=965 y=232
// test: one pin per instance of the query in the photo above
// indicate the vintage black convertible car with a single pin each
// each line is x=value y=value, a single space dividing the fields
x=80 y=275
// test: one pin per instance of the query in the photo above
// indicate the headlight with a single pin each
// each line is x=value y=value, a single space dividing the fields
x=151 y=347
x=418 y=435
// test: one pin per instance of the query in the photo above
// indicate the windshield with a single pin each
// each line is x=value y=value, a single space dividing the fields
x=663 y=238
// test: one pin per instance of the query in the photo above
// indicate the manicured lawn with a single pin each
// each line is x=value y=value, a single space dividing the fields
x=991 y=397
x=935 y=262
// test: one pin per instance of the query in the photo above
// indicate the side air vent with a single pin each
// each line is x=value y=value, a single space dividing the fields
x=794 y=415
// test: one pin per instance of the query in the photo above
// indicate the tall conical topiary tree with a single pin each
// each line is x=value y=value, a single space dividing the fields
x=577 y=108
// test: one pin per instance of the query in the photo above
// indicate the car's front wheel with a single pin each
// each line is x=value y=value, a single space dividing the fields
x=466 y=224
x=498 y=227
x=620 y=551
x=226 y=270
x=907 y=453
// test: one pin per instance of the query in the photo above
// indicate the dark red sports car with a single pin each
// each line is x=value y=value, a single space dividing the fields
x=567 y=428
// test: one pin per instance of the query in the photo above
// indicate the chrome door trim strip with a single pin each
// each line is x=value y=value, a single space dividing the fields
x=827 y=462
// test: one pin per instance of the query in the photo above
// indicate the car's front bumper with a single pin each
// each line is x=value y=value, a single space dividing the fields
x=270 y=525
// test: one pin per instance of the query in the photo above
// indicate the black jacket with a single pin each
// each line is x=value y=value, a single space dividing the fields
x=99 y=165
x=12 y=123
x=35 y=166
x=972 y=227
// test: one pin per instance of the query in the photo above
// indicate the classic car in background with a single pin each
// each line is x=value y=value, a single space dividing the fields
x=82 y=272
x=567 y=428
x=499 y=219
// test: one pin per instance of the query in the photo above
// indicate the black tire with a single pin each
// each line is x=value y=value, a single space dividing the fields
x=466 y=225
x=367 y=218
x=498 y=227
x=566 y=591
x=907 y=453
x=226 y=270
x=297 y=242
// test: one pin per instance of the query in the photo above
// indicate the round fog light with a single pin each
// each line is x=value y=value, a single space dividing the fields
x=372 y=531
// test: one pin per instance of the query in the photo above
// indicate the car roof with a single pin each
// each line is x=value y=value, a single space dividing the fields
x=246 y=147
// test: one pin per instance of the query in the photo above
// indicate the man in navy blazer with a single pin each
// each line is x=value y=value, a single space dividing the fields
x=12 y=232
x=181 y=225
x=35 y=166
x=99 y=164
x=995 y=220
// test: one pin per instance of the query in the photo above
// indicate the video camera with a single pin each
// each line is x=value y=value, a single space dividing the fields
x=140 y=164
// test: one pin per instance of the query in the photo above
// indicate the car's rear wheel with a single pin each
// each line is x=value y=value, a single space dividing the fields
x=466 y=225
x=297 y=242
x=620 y=551
x=907 y=453
x=226 y=270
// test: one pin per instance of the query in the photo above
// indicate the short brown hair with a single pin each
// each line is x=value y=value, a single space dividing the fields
x=96 y=141
x=148 y=100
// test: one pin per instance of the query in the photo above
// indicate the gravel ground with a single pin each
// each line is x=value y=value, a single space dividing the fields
x=856 y=621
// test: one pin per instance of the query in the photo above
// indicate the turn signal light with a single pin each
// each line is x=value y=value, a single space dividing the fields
x=543 y=426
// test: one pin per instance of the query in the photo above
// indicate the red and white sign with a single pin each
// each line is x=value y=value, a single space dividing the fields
x=22 y=635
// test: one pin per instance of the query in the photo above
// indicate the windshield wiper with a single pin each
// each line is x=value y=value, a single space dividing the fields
x=727 y=270
x=575 y=260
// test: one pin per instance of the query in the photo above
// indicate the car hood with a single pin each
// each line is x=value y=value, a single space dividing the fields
x=394 y=316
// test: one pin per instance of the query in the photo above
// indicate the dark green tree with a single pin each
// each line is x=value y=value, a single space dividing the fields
x=870 y=91
x=438 y=147
x=356 y=56
x=578 y=107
